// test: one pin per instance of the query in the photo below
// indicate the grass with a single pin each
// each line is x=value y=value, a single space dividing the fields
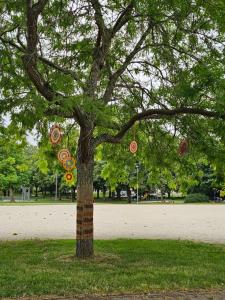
x=29 y=268
x=47 y=202
x=51 y=201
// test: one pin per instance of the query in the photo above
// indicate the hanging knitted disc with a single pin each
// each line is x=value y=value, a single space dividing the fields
x=69 y=177
x=183 y=147
x=63 y=154
x=133 y=147
x=55 y=134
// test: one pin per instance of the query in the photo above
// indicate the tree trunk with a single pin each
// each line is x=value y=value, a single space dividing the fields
x=104 y=192
x=12 y=199
x=85 y=165
x=97 y=193
x=110 y=193
x=74 y=194
x=118 y=190
x=128 y=194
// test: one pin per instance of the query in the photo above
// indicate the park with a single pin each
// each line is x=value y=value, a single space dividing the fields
x=112 y=149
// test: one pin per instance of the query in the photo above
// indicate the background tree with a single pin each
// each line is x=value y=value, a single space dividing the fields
x=110 y=64
x=14 y=162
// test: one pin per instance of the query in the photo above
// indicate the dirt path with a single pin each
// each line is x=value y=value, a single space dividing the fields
x=176 y=295
x=193 y=222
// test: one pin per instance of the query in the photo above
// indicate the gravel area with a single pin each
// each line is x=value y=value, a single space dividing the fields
x=193 y=222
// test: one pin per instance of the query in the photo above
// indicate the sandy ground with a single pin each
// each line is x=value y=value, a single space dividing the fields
x=193 y=222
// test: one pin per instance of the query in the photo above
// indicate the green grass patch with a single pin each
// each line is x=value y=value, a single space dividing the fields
x=19 y=203
x=36 y=267
x=101 y=201
x=50 y=201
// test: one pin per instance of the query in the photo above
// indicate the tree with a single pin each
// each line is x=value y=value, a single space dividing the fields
x=14 y=164
x=108 y=65
x=99 y=183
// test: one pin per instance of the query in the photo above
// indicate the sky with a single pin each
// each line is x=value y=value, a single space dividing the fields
x=30 y=135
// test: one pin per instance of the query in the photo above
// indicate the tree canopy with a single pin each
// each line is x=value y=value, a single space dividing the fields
x=119 y=61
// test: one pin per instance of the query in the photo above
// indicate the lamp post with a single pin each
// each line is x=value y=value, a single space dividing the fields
x=56 y=186
x=137 y=169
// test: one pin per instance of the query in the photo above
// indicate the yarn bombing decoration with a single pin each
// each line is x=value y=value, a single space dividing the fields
x=63 y=154
x=183 y=147
x=55 y=134
x=69 y=164
x=133 y=147
x=69 y=177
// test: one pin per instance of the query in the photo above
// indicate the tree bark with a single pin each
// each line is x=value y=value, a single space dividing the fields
x=128 y=194
x=118 y=190
x=104 y=192
x=74 y=194
x=12 y=199
x=36 y=191
x=110 y=193
x=97 y=193
x=85 y=166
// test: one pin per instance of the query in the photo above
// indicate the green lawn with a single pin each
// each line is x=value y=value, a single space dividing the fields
x=120 y=266
x=101 y=201
x=48 y=201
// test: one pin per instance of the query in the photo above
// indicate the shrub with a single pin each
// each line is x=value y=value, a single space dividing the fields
x=195 y=198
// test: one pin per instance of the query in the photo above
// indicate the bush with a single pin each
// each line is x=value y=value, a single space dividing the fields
x=196 y=198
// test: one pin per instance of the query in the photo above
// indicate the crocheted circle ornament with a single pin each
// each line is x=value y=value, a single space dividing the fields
x=55 y=134
x=183 y=147
x=69 y=164
x=69 y=177
x=63 y=154
x=133 y=147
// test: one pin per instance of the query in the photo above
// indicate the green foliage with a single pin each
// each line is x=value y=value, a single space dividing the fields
x=14 y=163
x=185 y=44
x=195 y=198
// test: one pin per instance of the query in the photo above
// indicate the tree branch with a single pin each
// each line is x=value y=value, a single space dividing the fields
x=65 y=71
x=123 y=18
x=155 y=114
x=46 y=61
x=98 y=17
x=76 y=113
x=11 y=43
x=8 y=30
x=100 y=50
x=39 y=6
x=113 y=79
x=148 y=63
x=30 y=57
x=103 y=43
x=57 y=111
